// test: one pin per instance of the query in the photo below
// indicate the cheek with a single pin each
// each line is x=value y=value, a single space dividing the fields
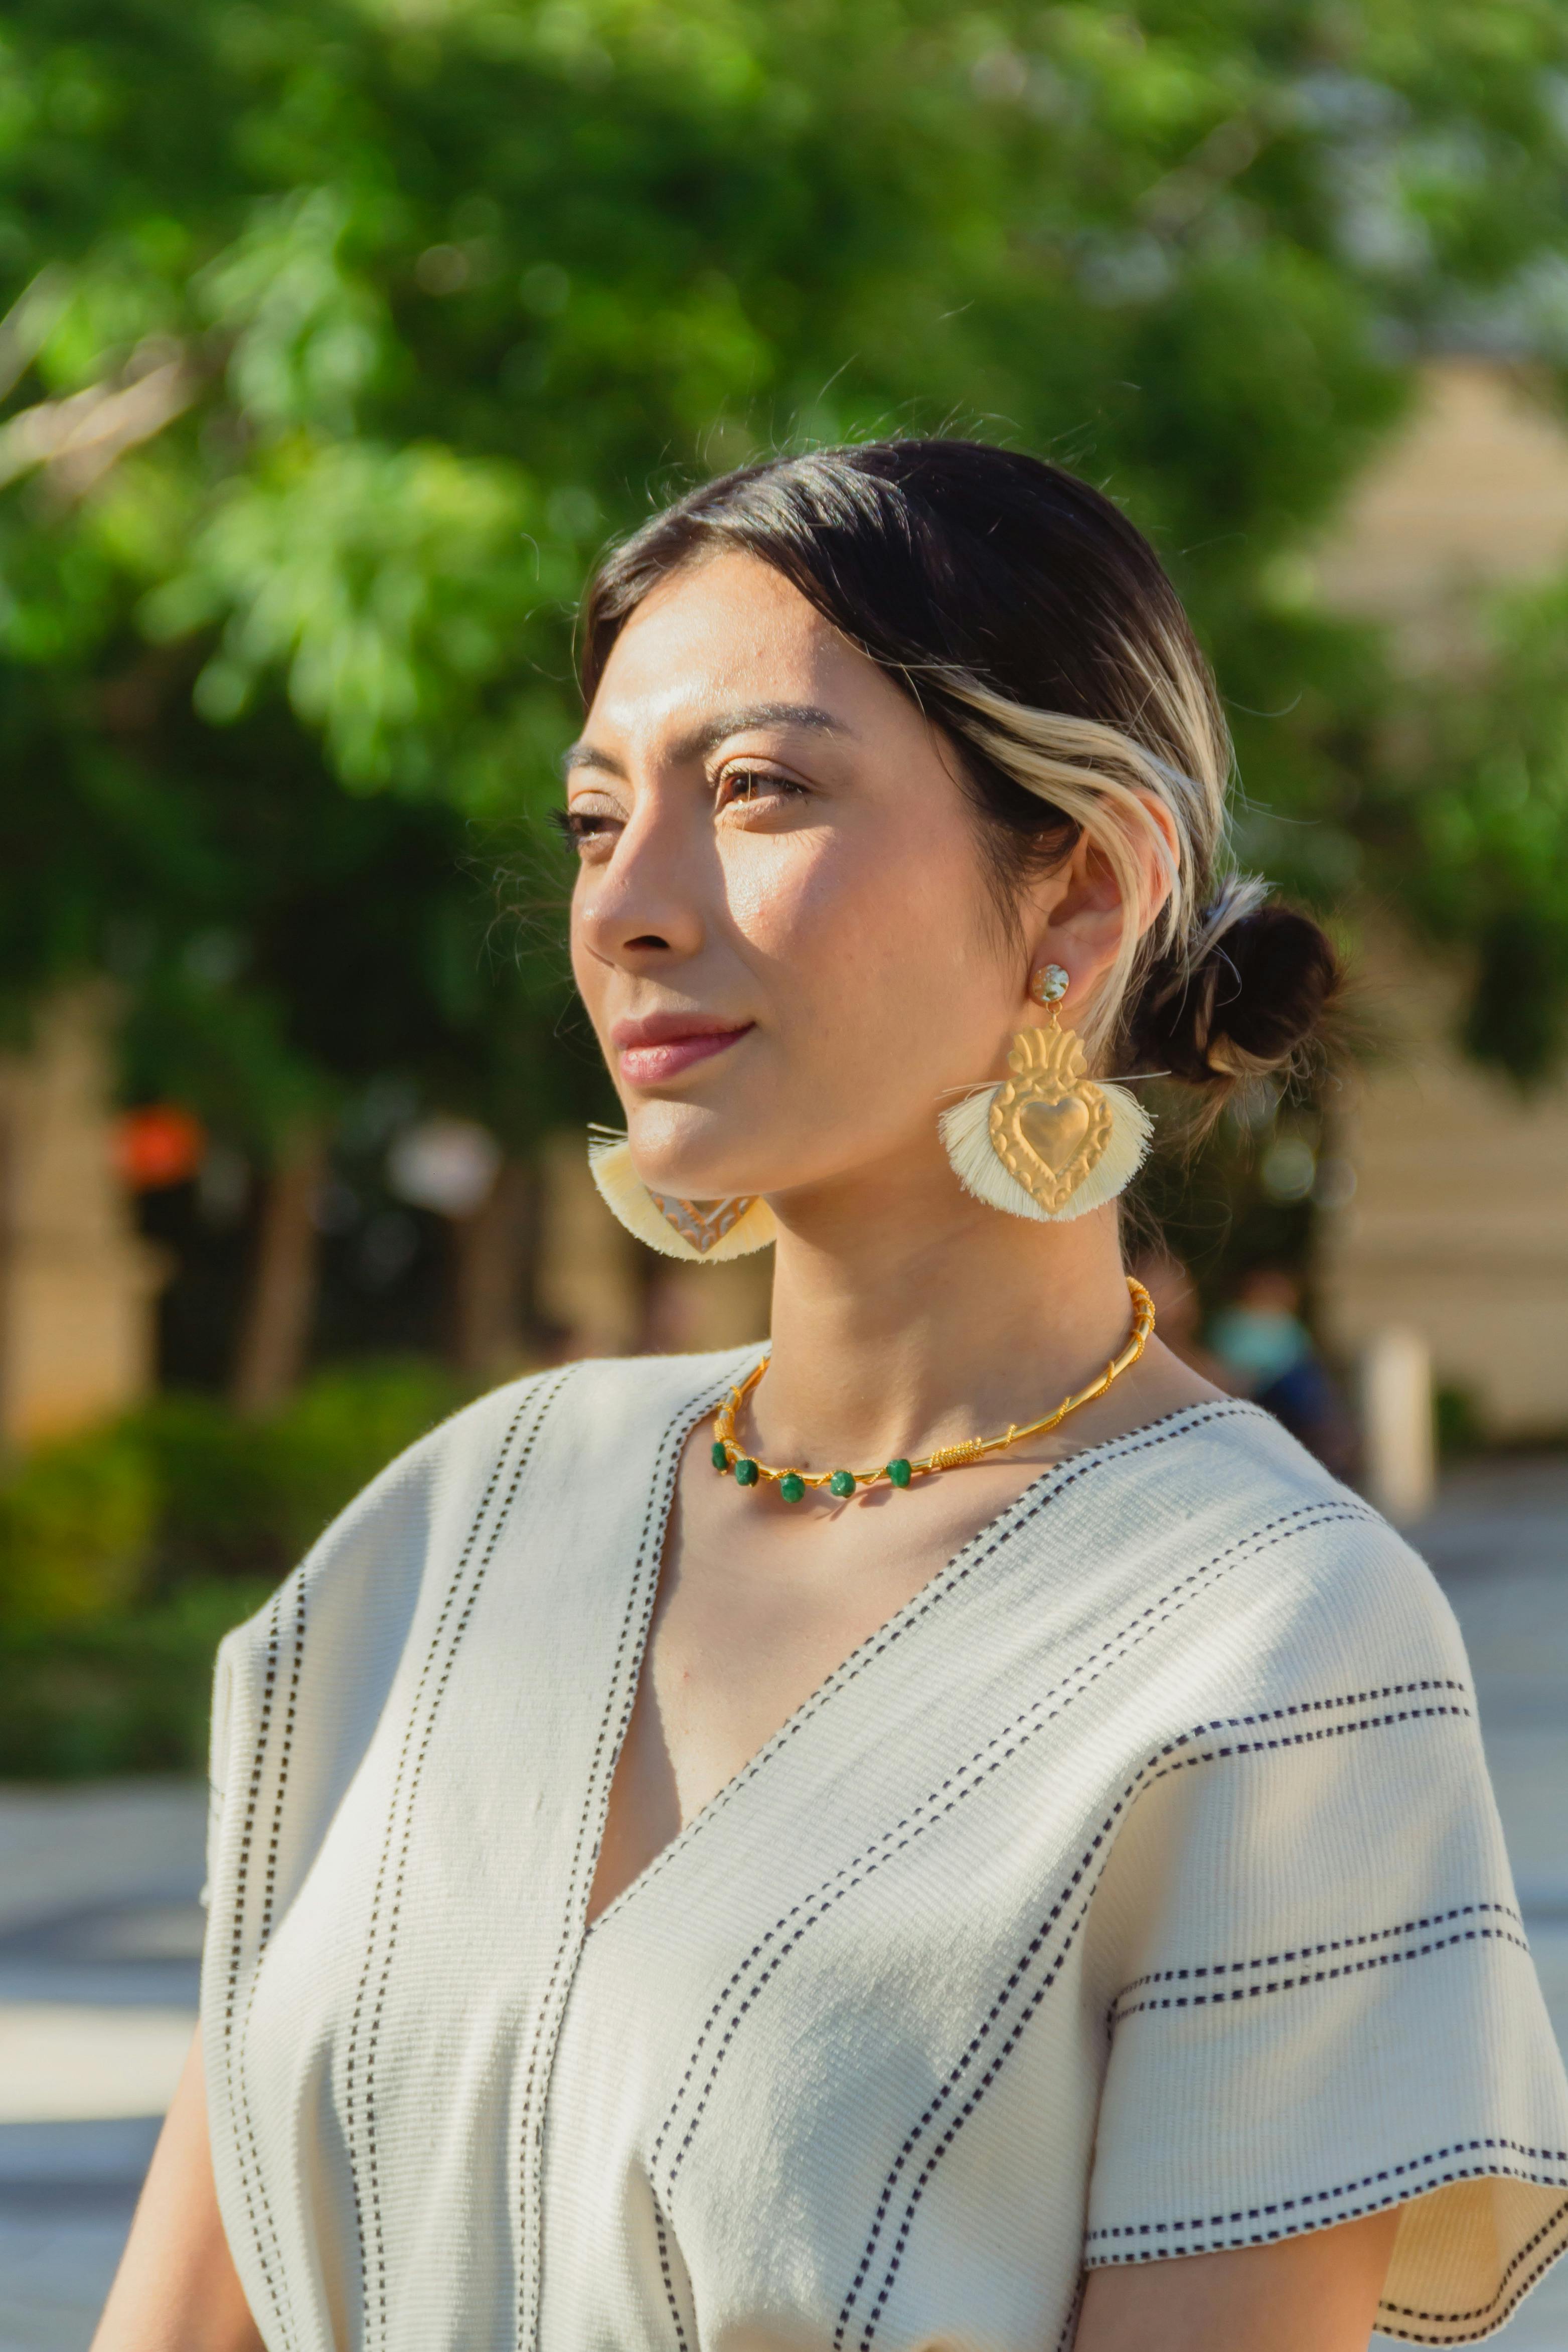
x=586 y=969
x=860 y=936
x=787 y=899
x=591 y=927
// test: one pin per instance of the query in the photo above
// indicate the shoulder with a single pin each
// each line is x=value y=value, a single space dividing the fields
x=583 y=1425
x=1299 y=1701
x=550 y=1414
x=568 y=1398
x=1282 y=1580
x=528 y=1491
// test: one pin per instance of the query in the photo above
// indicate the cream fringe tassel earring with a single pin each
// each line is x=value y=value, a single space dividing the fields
x=1049 y=1143
x=704 y=1233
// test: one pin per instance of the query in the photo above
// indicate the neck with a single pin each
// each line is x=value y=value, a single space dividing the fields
x=906 y=1316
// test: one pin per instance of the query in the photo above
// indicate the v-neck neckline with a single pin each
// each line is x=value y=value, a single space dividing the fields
x=992 y=1533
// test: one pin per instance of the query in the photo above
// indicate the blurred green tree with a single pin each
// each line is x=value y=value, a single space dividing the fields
x=1475 y=793
x=342 y=334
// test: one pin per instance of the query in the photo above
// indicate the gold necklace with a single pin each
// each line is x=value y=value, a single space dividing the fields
x=728 y=1455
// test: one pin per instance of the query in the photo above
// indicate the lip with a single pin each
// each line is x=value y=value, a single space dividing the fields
x=654 y=1050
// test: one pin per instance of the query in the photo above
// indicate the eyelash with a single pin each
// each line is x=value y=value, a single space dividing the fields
x=578 y=826
x=765 y=776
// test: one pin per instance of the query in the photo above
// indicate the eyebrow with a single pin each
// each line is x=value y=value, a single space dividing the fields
x=808 y=716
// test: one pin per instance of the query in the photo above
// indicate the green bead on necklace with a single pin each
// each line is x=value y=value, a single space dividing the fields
x=792 y=1484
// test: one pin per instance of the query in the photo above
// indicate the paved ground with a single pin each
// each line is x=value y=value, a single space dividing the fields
x=99 y=1930
x=99 y=1939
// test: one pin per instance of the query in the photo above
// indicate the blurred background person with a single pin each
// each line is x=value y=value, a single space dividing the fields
x=1265 y=1352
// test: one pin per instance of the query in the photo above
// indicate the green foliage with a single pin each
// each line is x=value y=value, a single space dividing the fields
x=1462 y=1429
x=126 y=1555
x=120 y=1693
x=343 y=334
x=1486 y=785
x=76 y=1523
x=245 y=1497
x=385 y=587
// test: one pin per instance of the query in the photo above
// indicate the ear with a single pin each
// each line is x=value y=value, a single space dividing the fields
x=1081 y=910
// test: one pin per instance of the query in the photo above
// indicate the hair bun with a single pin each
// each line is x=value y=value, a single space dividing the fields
x=1262 y=980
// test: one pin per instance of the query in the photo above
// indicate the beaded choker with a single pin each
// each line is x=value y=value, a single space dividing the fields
x=728 y=1455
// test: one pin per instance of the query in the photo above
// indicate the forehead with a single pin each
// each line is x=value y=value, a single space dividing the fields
x=729 y=628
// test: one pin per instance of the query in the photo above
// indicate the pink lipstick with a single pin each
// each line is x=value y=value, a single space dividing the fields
x=653 y=1051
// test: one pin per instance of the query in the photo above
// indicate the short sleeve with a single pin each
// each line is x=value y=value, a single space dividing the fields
x=217 y=1761
x=1321 y=2000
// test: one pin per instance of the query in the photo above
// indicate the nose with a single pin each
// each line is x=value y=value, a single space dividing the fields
x=640 y=909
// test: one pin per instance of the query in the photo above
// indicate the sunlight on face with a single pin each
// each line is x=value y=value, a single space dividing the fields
x=781 y=925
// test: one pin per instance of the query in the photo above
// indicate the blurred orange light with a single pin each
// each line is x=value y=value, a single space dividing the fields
x=158 y=1144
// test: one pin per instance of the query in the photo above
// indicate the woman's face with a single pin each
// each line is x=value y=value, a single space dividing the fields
x=781 y=925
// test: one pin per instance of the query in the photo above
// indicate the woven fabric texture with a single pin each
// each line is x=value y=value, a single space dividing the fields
x=1136 y=1891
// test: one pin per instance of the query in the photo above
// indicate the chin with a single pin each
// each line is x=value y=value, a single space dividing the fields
x=693 y=1152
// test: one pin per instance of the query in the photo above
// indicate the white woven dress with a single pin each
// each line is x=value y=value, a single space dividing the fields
x=1136 y=1891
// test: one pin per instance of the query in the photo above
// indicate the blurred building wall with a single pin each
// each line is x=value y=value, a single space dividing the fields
x=1458 y=1224
x=77 y=1285
x=1472 y=497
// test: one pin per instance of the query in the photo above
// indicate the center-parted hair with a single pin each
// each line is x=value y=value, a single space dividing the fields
x=1031 y=622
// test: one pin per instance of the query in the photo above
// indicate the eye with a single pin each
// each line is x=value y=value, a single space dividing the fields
x=582 y=827
x=745 y=787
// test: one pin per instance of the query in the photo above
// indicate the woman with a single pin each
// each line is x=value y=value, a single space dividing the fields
x=659 y=1901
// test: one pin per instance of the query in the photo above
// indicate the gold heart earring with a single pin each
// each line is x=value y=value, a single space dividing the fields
x=706 y=1233
x=1050 y=1143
